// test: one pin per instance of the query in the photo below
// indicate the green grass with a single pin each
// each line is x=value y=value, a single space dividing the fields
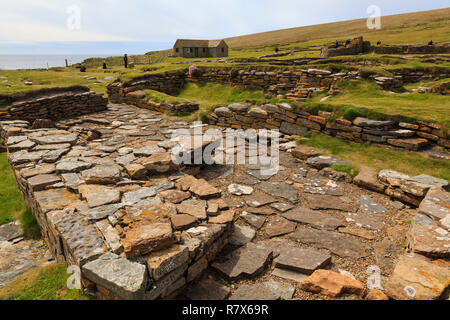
x=351 y=170
x=47 y=283
x=411 y=163
x=209 y=95
x=365 y=95
x=12 y=204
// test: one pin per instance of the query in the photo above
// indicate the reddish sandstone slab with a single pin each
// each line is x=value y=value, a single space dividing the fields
x=145 y=238
x=332 y=284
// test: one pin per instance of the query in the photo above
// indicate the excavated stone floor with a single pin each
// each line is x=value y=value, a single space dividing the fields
x=302 y=233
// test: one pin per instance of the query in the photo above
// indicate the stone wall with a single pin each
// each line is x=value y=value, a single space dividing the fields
x=413 y=49
x=109 y=206
x=169 y=83
x=290 y=121
x=296 y=85
x=404 y=76
x=52 y=104
x=356 y=46
x=299 y=86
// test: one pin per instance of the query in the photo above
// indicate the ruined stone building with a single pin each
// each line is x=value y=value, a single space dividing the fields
x=200 y=48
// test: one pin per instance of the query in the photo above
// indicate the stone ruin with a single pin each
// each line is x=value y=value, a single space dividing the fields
x=356 y=46
x=110 y=199
x=438 y=48
x=53 y=104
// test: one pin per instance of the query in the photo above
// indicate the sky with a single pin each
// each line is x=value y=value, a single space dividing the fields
x=139 y=26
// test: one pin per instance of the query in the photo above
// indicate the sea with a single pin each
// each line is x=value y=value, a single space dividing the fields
x=28 y=61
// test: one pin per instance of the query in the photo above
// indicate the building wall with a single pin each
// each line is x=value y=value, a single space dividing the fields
x=190 y=52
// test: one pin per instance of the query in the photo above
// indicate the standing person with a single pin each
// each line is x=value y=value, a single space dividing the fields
x=104 y=64
x=276 y=50
x=125 y=60
x=430 y=43
x=336 y=44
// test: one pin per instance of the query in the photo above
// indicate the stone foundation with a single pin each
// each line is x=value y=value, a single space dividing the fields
x=413 y=49
x=53 y=104
x=116 y=206
x=356 y=46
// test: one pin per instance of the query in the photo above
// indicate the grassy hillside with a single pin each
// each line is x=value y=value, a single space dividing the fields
x=417 y=27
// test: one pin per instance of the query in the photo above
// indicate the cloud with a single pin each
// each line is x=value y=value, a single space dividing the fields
x=163 y=21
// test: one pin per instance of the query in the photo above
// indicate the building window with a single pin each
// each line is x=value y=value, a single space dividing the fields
x=204 y=50
x=177 y=50
x=223 y=49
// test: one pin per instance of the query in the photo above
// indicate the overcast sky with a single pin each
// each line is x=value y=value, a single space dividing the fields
x=112 y=26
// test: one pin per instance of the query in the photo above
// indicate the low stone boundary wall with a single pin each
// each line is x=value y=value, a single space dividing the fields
x=296 y=122
x=52 y=104
x=296 y=85
x=413 y=49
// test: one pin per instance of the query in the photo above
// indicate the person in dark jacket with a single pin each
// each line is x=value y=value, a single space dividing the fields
x=104 y=64
x=347 y=43
x=430 y=43
x=336 y=44
x=125 y=60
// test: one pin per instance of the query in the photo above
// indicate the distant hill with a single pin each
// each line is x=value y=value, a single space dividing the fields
x=416 y=27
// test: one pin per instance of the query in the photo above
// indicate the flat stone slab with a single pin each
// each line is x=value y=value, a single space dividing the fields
x=314 y=218
x=278 y=226
x=368 y=178
x=259 y=200
x=147 y=237
x=40 y=182
x=285 y=290
x=10 y=231
x=302 y=260
x=289 y=275
x=165 y=261
x=371 y=206
x=245 y=262
x=208 y=289
x=326 y=202
x=430 y=241
x=332 y=284
x=201 y=188
x=97 y=195
x=282 y=207
x=337 y=243
x=125 y=278
x=182 y=222
x=363 y=220
x=436 y=204
x=133 y=197
x=72 y=165
x=103 y=212
x=239 y=190
x=45 y=168
x=195 y=208
x=282 y=190
x=56 y=139
x=392 y=178
x=56 y=199
x=111 y=235
x=242 y=235
x=102 y=175
x=255 y=221
x=174 y=196
x=255 y=292
x=416 y=278
x=324 y=162
x=83 y=240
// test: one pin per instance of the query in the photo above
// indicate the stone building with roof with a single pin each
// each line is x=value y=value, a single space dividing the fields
x=200 y=48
